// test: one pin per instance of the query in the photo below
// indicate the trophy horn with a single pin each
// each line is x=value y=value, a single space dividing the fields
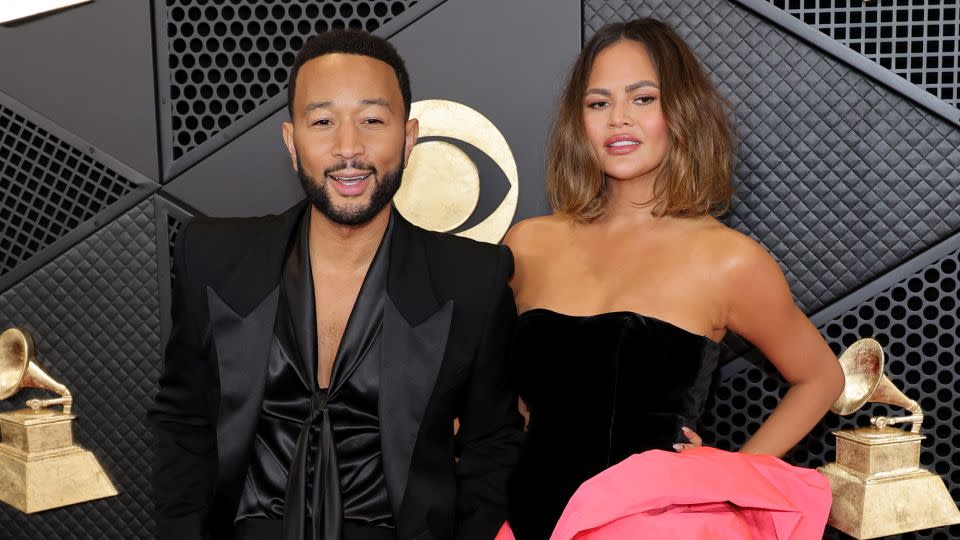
x=862 y=365
x=19 y=369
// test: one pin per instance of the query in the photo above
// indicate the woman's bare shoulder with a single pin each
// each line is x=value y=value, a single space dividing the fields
x=735 y=252
x=536 y=232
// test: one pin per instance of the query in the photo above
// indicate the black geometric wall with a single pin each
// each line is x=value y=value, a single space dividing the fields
x=53 y=184
x=95 y=313
x=221 y=62
x=227 y=59
x=838 y=177
x=917 y=40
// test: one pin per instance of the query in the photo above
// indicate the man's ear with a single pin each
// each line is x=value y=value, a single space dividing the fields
x=412 y=131
x=287 y=129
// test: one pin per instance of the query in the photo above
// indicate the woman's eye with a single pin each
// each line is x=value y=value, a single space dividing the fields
x=645 y=100
x=598 y=105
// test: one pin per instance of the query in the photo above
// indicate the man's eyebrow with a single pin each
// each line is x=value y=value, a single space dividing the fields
x=368 y=101
x=317 y=105
x=376 y=101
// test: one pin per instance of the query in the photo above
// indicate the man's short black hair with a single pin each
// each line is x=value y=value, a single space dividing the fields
x=350 y=42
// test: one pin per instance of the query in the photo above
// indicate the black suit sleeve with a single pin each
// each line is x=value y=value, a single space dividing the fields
x=490 y=424
x=185 y=454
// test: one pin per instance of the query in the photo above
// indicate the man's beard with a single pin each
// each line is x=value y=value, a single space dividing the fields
x=384 y=188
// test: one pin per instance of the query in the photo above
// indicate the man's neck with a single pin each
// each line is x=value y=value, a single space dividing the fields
x=345 y=248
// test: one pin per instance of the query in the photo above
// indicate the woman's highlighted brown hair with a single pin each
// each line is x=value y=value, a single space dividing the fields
x=695 y=176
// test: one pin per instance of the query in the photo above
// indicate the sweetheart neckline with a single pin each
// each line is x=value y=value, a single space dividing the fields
x=621 y=312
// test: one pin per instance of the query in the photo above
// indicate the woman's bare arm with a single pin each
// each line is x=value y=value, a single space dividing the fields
x=760 y=308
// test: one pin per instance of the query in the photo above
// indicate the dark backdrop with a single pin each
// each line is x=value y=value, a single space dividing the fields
x=121 y=119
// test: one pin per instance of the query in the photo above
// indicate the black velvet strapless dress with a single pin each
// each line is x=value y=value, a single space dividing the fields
x=599 y=388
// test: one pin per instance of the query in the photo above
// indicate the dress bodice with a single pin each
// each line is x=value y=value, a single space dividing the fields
x=599 y=389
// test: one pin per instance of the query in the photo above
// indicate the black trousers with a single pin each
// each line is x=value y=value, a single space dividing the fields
x=271 y=529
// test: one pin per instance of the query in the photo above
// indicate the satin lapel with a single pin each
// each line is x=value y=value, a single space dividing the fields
x=243 y=346
x=410 y=362
x=297 y=285
x=414 y=340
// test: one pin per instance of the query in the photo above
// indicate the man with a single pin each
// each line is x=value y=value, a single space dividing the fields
x=318 y=358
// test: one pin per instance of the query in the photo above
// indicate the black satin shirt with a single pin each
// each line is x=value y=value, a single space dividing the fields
x=295 y=409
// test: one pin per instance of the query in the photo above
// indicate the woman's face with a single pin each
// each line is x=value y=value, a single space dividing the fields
x=621 y=112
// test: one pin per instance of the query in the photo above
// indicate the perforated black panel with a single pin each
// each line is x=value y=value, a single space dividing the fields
x=94 y=312
x=173 y=229
x=49 y=186
x=917 y=40
x=226 y=58
x=838 y=177
x=170 y=219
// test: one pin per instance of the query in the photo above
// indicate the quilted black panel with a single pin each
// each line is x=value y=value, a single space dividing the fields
x=94 y=313
x=916 y=40
x=224 y=60
x=839 y=178
x=918 y=323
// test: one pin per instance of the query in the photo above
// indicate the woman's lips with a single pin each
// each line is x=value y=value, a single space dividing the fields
x=621 y=144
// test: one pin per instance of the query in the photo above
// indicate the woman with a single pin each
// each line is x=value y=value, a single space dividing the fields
x=626 y=289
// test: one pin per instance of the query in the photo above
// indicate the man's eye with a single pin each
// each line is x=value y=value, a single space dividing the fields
x=321 y=122
x=373 y=121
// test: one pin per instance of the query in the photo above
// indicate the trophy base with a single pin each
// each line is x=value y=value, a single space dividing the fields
x=41 y=468
x=881 y=505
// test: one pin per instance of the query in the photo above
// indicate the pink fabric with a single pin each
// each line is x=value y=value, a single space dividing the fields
x=505 y=532
x=697 y=494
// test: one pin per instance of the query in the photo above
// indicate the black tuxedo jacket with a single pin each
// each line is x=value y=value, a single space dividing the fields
x=447 y=322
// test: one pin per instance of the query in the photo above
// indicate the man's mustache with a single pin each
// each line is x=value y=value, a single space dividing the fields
x=346 y=165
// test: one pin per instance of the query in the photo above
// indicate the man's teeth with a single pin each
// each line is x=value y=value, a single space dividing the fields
x=624 y=143
x=350 y=180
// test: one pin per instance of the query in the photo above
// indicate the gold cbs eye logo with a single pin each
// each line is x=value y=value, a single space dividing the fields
x=441 y=184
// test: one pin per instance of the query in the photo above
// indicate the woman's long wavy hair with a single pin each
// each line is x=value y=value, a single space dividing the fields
x=695 y=175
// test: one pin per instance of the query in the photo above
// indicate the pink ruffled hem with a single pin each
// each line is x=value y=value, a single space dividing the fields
x=697 y=494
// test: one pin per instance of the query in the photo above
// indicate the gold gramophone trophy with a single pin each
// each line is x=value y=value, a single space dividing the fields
x=40 y=467
x=878 y=486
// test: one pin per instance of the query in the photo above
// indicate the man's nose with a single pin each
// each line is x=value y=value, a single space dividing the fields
x=348 y=144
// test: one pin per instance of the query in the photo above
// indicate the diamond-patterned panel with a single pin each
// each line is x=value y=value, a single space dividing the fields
x=839 y=178
x=94 y=312
x=917 y=40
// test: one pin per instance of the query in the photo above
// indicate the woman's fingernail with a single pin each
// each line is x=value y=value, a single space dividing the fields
x=685 y=429
x=678 y=447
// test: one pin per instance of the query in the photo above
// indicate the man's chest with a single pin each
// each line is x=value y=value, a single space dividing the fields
x=334 y=301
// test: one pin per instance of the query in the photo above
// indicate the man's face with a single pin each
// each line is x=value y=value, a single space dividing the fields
x=348 y=138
